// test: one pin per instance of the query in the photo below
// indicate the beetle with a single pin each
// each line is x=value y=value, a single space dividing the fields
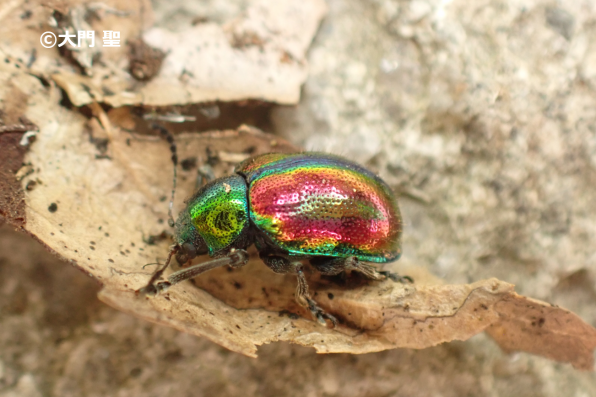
x=292 y=207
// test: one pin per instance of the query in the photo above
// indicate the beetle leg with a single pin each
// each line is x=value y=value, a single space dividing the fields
x=397 y=278
x=235 y=258
x=150 y=285
x=303 y=298
x=282 y=265
x=334 y=266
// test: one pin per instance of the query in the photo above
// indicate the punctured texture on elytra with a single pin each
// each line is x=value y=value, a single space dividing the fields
x=322 y=205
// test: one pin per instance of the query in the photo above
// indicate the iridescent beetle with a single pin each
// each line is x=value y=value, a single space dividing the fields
x=313 y=206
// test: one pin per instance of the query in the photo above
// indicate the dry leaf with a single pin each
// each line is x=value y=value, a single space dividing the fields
x=95 y=206
x=260 y=55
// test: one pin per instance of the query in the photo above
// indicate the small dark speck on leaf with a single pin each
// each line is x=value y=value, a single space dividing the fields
x=189 y=163
x=330 y=295
x=135 y=372
x=53 y=207
x=30 y=185
x=292 y=316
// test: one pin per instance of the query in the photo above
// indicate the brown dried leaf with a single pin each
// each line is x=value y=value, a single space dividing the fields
x=95 y=208
x=258 y=56
x=537 y=327
x=23 y=24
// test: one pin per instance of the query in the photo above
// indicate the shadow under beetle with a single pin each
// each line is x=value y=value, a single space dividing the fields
x=314 y=206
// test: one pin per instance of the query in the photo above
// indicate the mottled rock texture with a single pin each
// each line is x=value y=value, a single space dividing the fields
x=481 y=114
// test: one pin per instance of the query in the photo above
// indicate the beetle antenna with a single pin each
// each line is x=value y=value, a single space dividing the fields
x=173 y=149
x=150 y=264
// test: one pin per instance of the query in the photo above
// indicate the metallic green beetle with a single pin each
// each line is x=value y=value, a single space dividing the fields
x=313 y=206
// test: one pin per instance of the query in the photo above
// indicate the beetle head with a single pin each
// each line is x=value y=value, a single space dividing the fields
x=214 y=220
x=189 y=242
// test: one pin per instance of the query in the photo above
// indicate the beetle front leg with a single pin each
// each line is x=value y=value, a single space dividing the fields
x=282 y=265
x=235 y=258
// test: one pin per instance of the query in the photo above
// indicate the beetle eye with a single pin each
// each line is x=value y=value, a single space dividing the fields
x=186 y=252
x=190 y=249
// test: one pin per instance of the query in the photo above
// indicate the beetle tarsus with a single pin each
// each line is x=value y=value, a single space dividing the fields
x=162 y=286
x=320 y=314
x=154 y=289
x=397 y=278
x=335 y=266
x=148 y=290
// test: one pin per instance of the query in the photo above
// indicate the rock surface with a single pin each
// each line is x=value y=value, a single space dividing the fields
x=481 y=114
